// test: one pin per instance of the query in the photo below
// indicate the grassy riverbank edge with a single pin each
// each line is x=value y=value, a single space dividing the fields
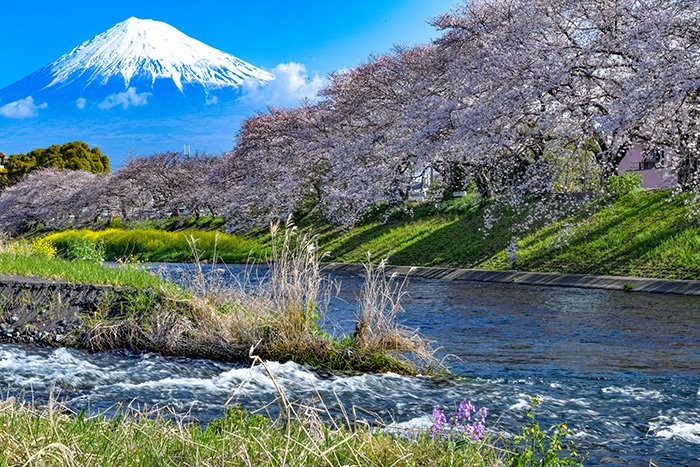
x=648 y=234
x=584 y=281
x=300 y=435
x=278 y=318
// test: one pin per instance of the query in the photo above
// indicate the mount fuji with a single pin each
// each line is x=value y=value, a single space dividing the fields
x=140 y=87
x=135 y=63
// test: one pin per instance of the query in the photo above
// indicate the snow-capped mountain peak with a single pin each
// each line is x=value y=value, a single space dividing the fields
x=148 y=50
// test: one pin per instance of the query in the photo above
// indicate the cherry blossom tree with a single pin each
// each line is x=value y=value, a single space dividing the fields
x=535 y=102
x=48 y=197
x=578 y=76
x=279 y=165
x=163 y=185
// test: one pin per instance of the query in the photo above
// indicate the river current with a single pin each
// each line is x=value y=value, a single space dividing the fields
x=621 y=369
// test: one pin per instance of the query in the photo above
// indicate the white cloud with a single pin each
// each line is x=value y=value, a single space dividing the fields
x=126 y=99
x=80 y=103
x=291 y=85
x=23 y=108
x=213 y=100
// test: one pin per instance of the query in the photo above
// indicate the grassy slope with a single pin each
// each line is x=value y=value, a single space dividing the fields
x=151 y=245
x=77 y=272
x=645 y=234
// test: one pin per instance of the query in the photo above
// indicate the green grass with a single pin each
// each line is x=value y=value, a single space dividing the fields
x=647 y=233
x=643 y=234
x=172 y=224
x=77 y=272
x=55 y=437
x=151 y=245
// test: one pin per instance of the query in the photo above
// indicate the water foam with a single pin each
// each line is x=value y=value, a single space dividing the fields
x=639 y=394
x=678 y=429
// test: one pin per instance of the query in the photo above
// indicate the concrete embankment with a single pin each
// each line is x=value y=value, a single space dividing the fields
x=35 y=310
x=630 y=284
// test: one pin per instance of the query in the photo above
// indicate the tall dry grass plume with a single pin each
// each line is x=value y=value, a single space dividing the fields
x=377 y=328
x=222 y=315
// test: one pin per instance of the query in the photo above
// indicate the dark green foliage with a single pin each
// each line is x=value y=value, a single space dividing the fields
x=84 y=249
x=72 y=156
x=623 y=184
x=172 y=224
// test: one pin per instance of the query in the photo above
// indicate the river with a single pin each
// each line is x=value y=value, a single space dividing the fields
x=621 y=369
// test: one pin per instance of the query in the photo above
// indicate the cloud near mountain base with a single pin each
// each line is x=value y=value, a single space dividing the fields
x=291 y=86
x=23 y=108
x=126 y=99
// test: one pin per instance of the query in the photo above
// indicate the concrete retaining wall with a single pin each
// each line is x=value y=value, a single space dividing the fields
x=38 y=310
x=635 y=284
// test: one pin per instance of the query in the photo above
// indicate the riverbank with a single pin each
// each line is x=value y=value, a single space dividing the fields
x=643 y=234
x=625 y=284
x=49 y=312
x=56 y=436
x=278 y=319
x=649 y=234
x=587 y=354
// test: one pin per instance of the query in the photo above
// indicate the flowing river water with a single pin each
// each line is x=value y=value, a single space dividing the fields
x=621 y=369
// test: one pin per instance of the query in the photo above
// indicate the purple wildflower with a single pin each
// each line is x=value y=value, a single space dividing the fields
x=439 y=422
x=467 y=420
x=465 y=410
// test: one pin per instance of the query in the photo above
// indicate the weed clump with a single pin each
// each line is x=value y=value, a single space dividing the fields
x=57 y=436
x=278 y=316
x=84 y=249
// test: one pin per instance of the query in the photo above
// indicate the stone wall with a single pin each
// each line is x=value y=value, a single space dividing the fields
x=34 y=310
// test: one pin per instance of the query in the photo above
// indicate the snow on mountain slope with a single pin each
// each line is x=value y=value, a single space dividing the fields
x=137 y=58
x=154 y=49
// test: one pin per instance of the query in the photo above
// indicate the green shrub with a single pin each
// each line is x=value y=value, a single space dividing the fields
x=84 y=249
x=116 y=222
x=535 y=446
x=625 y=183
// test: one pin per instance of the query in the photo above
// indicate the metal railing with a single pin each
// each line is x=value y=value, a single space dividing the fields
x=647 y=165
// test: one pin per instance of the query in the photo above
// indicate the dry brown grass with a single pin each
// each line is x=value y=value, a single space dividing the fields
x=278 y=316
x=377 y=328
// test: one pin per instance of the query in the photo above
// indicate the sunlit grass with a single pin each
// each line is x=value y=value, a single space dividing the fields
x=56 y=437
x=301 y=434
x=151 y=245
x=644 y=234
x=77 y=272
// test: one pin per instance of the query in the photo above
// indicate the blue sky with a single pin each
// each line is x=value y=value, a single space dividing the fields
x=323 y=35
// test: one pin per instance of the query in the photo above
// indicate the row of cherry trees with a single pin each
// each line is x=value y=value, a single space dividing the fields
x=153 y=187
x=524 y=99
